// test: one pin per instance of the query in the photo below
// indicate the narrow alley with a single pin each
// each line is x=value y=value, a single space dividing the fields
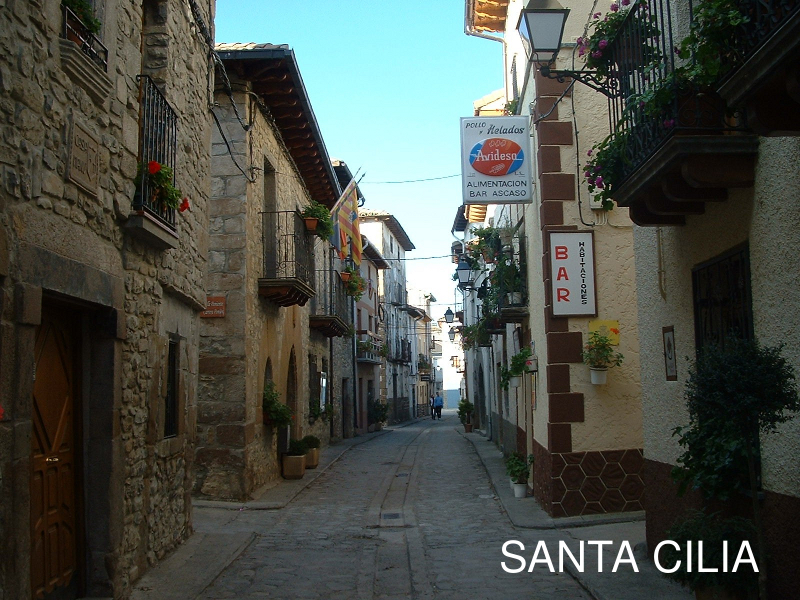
x=408 y=514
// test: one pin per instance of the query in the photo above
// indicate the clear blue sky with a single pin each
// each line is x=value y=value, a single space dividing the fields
x=388 y=82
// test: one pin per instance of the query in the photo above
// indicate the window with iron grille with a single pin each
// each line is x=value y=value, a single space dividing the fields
x=722 y=299
x=82 y=26
x=158 y=140
x=171 y=399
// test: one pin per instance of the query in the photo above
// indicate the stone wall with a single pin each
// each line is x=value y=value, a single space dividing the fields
x=68 y=159
x=237 y=453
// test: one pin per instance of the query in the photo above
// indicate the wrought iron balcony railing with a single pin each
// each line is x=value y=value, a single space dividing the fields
x=764 y=18
x=369 y=349
x=158 y=140
x=656 y=96
x=75 y=30
x=288 y=259
x=331 y=306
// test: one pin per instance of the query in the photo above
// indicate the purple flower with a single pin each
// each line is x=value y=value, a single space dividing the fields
x=614 y=7
x=602 y=44
x=587 y=174
x=596 y=16
x=669 y=123
x=579 y=41
x=597 y=54
x=599 y=181
x=581 y=50
x=589 y=152
x=625 y=2
x=597 y=168
x=591 y=180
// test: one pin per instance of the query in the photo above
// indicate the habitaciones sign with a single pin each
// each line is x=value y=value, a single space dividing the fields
x=573 y=290
x=495 y=166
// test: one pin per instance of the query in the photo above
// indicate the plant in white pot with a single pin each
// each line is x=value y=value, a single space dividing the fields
x=599 y=355
x=518 y=469
x=518 y=367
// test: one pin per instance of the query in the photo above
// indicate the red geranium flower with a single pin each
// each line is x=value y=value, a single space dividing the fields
x=153 y=167
x=184 y=205
x=2 y=413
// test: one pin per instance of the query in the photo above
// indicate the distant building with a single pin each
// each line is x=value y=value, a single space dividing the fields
x=397 y=327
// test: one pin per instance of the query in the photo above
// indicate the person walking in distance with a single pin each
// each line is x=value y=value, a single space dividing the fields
x=430 y=404
x=438 y=403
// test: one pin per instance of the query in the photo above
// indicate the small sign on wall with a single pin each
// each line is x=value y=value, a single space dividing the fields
x=573 y=289
x=84 y=159
x=215 y=307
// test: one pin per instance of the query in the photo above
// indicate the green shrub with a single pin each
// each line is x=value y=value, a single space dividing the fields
x=312 y=441
x=297 y=448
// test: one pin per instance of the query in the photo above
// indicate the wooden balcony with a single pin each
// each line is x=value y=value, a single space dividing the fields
x=288 y=259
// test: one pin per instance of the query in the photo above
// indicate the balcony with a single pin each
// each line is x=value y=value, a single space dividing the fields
x=765 y=74
x=151 y=220
x=331 y=307
x=288 y=259
x=74 y=30
x=369 y=349
x=401 y=352
x=676 y=145
x=509 y=277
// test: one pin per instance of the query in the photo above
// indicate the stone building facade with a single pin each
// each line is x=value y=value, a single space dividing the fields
x=100 y=290
x=275 y=279
x=397 y=328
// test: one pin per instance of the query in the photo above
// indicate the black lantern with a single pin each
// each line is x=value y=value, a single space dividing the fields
x=452 y=334
x=466 y=277
x=449 y=315
x=541 y=26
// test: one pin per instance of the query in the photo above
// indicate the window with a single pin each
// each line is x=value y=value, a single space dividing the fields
x=171 y=399
x=82 y=26
x=722 y=299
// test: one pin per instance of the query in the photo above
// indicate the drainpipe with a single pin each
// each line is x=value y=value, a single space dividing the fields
x=470 y=30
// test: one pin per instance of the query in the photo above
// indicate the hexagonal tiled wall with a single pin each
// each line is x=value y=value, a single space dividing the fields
x=597 y=482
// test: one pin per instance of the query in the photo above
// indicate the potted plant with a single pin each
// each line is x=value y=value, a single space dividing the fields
x=465 y=412
x=313 y=443
x=712 y=530
x=377 y=412
x=517 y=367
x=599 y=354
x=518 y=469
x=274 y=413
x=318 y=219
x=734 y=394
x=606 y=49
x=163 y=194
x=354 y=284
x=473 y=336
x=294 y=460
x=84 y=12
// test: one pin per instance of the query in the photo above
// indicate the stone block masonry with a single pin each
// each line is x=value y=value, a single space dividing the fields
x=70 y=130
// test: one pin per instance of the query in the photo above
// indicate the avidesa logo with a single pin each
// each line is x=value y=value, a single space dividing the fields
x=496 y=157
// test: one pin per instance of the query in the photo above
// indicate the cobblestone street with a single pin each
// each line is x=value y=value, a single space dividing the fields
x=410 y=514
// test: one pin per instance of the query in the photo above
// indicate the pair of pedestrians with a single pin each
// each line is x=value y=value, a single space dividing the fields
x=437 y=403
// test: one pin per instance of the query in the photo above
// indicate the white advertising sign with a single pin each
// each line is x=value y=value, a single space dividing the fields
x=495 y=161
x=572 y=272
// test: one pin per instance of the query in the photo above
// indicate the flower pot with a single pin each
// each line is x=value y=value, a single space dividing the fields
x=599 y=375
x=520 y=490
x=312 y=458
x=532 y=365
x=311 y=223
x=345 y=276
x=467 y=427
x=515 y=381
x=294 y=467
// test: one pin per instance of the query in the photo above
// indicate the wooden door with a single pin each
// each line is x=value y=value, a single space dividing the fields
x=53 y=507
